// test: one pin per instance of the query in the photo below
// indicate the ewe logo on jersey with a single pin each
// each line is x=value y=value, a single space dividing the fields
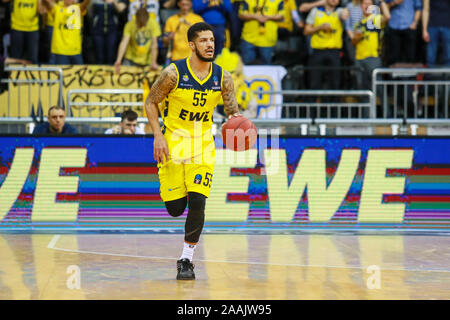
x=194 y=116
x=25 y=5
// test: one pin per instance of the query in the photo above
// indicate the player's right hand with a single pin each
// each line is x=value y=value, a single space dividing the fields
x=236 y=114
x=160 y=149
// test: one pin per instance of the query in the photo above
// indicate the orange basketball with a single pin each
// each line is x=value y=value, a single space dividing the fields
x=239 y=133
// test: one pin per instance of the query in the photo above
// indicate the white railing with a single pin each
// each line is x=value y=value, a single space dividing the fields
x=412 y=92
x=89 y=100
x=334 y=104
x=15 y=86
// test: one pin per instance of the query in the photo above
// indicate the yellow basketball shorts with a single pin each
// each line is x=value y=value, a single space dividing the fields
x=178 y=178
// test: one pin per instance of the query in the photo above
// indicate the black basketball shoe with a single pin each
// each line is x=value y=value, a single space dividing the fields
x=185 y=270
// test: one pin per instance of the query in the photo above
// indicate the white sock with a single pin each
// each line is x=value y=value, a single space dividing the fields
x=188 y=251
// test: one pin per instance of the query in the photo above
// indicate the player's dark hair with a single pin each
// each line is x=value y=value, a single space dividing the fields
x=130 y=115
x=196 y=28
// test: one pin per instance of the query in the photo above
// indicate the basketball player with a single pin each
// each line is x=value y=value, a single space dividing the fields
x=186 y=94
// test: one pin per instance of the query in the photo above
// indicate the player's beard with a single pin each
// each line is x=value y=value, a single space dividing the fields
x=202 y=58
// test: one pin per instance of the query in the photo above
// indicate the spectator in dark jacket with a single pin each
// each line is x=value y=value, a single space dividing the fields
x=56 y=123
x=436 y=30
x=215 y=13
x=105 y=28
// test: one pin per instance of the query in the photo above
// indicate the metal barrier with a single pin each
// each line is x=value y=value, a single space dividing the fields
x=19 y=83
x=333 y=107
x=339 y=105
x=298 y=77
x=420 y=92
x=303 y=111
x=111 y=105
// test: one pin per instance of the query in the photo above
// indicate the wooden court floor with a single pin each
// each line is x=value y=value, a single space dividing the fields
x=228 y=266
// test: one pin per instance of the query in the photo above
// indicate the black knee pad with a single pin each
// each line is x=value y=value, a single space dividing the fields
x=195 y=218
x=176 y=207
x=196 y=201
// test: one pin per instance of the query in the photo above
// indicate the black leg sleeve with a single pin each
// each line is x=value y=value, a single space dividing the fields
x=176 y=207
x=195 y=218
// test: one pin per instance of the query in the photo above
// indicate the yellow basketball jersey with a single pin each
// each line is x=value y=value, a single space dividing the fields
x=187 y=111
x=24 y=16
x=327 y=40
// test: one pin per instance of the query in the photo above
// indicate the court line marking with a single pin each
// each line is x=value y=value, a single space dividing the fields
x=240 y=262
x=51 y=244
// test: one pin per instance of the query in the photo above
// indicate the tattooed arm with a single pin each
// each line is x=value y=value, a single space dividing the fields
x=229 y=99
x=160 y=89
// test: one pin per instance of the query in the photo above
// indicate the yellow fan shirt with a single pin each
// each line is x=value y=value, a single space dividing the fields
x=67 y=29
x=24 y=15
x=180 y=25
x=51 y=17
x=288 y=23
x=140 y=44
x=252 y=32
x=327 y=39
x=368 y=47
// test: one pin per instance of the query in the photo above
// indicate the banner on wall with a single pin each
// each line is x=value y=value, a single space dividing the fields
x=291 y=182
x=24 y=97
x=266 y=78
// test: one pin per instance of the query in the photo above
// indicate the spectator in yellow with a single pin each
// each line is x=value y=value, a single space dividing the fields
x=260 y=30
x=50 y=21
x=290 y=37
x=291 y=18
x=67 y=30
x=25 y=29
x=152 y=7
x=175 y=31
x=366 y=38
x=139 y=45
x=325 y=26
x=232 y=62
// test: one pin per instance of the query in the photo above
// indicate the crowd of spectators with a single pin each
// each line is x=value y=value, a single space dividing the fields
x=318 y=34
